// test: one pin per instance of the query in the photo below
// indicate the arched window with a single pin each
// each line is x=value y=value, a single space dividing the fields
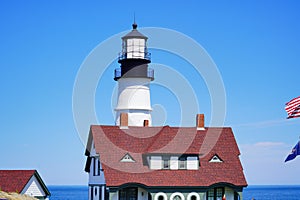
x=193 y=196
x=160 y=196
x=177 y=196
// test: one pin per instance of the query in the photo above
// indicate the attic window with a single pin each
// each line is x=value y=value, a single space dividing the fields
x=127 y=158
x=182 y=162
x=216 y=158
x=166 y=162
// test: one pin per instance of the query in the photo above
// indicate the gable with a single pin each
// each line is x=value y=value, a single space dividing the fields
x=215 y=159
x=127 y=158
x=34 y=188
x=14 y=180
x=20 y=180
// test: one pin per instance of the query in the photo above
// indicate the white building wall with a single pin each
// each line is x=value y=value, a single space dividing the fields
x=134 y=93
x=134 y=99
x=33 y=188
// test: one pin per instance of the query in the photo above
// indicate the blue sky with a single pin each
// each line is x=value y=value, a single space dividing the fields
x=255 y=45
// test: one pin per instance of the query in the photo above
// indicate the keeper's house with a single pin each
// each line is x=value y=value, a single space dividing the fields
x=135 y=161
x=26 y=182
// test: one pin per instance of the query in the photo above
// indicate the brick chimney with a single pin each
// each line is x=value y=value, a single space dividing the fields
x=124 y=120
x=200 y=122
x=146 y=123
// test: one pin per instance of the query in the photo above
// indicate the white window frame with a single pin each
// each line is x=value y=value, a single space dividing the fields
x=156 y=197
x=189 y=196
x=177 y=194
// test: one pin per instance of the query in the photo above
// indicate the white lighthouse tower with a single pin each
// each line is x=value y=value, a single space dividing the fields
x=134 y=79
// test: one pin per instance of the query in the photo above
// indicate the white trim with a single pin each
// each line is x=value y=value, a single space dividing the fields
x=33 y=188
x=127 y=158
x=155 y=162
x=175 y=194
x=215 y=159
x=193 y=194
x=161 y=194
x=174 y=162
x=192 y=163
x=103 y=193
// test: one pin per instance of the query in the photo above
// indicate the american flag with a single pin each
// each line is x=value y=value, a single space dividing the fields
x=293 y=108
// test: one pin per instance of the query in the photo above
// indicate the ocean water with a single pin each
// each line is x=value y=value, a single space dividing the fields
x=276 y=192
x=68 y=192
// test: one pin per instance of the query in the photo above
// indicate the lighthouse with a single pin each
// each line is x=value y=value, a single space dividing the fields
x=174 y=163
x=134 y=79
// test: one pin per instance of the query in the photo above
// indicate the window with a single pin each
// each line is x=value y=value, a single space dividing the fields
x=211 y=194
x=98 y=168
x=155 y=162
x=174 y=162
x=94 y=166
x=177 y=196
x=192 y=163
x=182 y=162
x=160 y=196
x=166 y=162
x=219 y=193
x=128 y=194
x=91 y=192
x=215 y=193
x=193 y=196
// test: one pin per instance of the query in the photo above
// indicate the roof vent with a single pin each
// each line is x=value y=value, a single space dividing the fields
x=216 y=159
x=127 y=158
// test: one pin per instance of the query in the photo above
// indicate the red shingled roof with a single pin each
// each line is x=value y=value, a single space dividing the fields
x=14 y=180
x=112 y=143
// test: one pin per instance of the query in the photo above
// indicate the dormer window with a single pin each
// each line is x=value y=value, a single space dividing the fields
x=182 y=162
x=173 y=162
x=166 y=162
